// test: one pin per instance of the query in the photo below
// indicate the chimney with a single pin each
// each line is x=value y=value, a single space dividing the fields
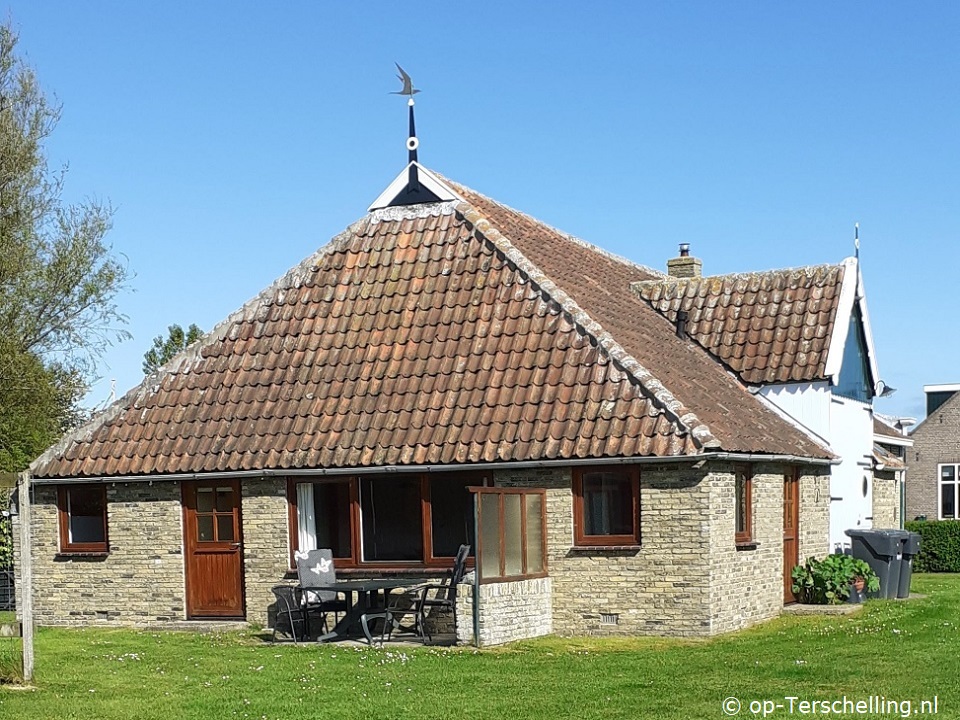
x=684 y=266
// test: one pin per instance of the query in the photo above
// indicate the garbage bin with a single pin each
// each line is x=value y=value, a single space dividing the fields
x=882 y=550
x=911 y=548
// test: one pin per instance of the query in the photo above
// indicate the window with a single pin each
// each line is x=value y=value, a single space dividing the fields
x=83 y=518
x=606 y=506
x=413 y=520
x=949 y=481
x=743 y=504
x=512 y=533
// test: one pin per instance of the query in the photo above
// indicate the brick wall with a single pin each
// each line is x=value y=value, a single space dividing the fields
x=509 y=611
x=140 y=582
x=746 y=583
x=936 y=440
x=886 y=500
x=660 y=588
x=814 y=512
x=266 y=543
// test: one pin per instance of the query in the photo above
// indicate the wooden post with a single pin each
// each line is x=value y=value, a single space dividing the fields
x=26 y=575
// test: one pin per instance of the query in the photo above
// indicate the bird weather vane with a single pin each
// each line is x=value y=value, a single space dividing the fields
x=412 y=142
x=408 y=88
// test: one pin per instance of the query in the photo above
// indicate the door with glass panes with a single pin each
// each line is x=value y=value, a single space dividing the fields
x=213 y=550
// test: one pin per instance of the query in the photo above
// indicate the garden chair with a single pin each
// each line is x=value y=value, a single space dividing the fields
x=314 y=569
x=444 y=595
x=290 y=612
x=417 y=601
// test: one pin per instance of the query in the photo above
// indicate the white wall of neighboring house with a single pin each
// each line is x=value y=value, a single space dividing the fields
x=851 y=437
x=847 y=426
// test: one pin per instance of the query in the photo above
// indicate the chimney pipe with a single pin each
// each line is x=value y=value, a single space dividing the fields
x=684 y=266
x=682 y=316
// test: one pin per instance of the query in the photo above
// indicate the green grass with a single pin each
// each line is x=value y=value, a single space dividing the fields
x=901 y=650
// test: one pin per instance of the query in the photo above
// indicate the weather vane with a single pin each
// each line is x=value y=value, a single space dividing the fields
x=412 y=143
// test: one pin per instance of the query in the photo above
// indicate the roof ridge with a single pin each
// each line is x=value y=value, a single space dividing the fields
x=648 y=383
x=191 y=353
x=572 y=238
x=809 y=269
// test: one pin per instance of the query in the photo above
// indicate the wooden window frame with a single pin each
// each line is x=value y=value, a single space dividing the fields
x=72 y=548
x=580 y=538
x=429 y=560
x=523 y=492
x=743 y=537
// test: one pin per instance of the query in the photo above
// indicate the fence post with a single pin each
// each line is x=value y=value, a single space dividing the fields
x=26 y=575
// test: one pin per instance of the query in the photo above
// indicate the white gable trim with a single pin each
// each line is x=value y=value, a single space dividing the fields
x=430 y=181
x=851 y=291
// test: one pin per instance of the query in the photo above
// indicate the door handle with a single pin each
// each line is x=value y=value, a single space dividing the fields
x=235 y=546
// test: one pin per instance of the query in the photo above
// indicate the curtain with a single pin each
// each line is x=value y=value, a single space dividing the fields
x=306 y=517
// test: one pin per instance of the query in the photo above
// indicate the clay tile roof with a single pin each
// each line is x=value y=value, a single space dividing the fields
x=889 y=461
x=768 y=327
x=882 y=428
x=456 y=332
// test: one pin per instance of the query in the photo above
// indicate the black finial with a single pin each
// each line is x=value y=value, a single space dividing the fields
x=412 y=142
x=856 y=240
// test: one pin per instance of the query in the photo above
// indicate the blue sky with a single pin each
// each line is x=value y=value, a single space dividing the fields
x=235 y=138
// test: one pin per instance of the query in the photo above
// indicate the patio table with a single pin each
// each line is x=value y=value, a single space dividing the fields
x=365 y=592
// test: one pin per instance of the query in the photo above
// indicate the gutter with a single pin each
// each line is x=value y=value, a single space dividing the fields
x=403 y=469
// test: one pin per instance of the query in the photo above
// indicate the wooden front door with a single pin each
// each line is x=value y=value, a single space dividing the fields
x=791 y=531
x=213 y=549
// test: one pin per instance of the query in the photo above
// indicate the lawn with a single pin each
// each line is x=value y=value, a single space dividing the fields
x=899 y=650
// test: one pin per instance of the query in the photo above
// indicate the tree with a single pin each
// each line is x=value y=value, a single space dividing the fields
x=164 y=350
x=58 y=277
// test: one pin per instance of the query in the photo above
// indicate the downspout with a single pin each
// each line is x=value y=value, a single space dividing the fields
x=476 y=570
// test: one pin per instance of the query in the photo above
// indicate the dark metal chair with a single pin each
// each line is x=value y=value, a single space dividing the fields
x=444 y=594
x=417 y=601
x=290 y=612
x=315 y=568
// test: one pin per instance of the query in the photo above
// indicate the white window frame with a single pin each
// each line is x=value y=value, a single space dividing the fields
x=956 y=490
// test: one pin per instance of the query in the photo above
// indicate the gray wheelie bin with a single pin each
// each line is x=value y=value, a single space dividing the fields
x=911 y=548
x=882 y=550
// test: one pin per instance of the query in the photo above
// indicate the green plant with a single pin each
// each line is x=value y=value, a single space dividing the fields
x=827 y=581
x=939 y=547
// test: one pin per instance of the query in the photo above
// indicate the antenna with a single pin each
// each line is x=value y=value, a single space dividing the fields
x=856 y=240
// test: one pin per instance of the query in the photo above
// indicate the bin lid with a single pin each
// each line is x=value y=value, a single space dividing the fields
x=912 y=544
x=880 y=542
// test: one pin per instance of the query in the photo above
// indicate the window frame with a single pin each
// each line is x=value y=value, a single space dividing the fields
x=955 y=483
x=355 y=561
x=66 y=547
x=523 y=493
x=743 y=537
x=580 y=538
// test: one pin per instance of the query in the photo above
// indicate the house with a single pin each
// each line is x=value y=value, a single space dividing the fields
x=444 y=356
x=800 y=340
x=890 y=447
x=933 y=465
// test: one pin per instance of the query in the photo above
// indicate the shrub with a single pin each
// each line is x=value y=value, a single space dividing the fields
x=940 y=546
x=827 y=581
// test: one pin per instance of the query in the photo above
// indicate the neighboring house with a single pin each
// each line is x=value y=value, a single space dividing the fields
x=444 y=350
x=933 y=485
x=800 y=339
x=890 y=448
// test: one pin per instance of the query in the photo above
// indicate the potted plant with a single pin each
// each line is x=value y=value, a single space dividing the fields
x=835 y=579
